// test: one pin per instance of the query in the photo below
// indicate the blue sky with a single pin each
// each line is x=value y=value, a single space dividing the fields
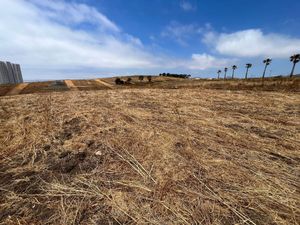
x=59 y=39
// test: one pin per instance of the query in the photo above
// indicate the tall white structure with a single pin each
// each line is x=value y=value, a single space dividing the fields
x=10 y=73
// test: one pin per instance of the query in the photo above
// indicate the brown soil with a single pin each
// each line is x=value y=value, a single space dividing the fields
x=44 y=87
x=87 y=85
x=17 y=89
x=4 y=88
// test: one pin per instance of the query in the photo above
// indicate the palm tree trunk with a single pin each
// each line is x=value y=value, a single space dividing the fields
x=218 y=76
x=292 y=72
x=225 y=75
x=232 y=74
x=263 y=76
x=246 y=76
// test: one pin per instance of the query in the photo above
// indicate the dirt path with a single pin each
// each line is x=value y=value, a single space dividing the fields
x=105 y=84
x=71 y=85
x=17 y=89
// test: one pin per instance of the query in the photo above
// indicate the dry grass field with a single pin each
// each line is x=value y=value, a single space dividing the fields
x=151 y=156
x=268 y=84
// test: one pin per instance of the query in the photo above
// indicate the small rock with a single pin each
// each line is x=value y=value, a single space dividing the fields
x=98 y=153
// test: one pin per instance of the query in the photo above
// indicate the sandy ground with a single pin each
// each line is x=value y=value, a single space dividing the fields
x=152 y=156
x=105 y=83
x=71 y=85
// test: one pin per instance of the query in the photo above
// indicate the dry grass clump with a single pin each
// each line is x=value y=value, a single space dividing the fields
x=184 y=156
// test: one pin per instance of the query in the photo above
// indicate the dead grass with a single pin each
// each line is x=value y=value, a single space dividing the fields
x=256 y=84
x=150 y=156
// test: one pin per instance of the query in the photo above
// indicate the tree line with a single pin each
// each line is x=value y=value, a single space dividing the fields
x=294 y=59
x=185 y=76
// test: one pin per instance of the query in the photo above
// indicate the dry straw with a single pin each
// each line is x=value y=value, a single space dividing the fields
x=186 y=156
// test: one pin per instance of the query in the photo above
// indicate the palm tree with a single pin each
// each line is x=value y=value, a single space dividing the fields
x=234 y=67
x=248 y=65
x=294 y=59
x=225 y=70
x=267 y=62
x=219 y=71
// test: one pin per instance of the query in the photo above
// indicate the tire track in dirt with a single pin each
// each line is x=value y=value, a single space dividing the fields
x=105 y=83
x=71 y=85
x=17 y=90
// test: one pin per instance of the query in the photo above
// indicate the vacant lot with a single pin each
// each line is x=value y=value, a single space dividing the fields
x=186 y=156
x=268 y=84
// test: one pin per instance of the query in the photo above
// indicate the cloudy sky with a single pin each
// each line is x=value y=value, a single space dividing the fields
x=56 y=39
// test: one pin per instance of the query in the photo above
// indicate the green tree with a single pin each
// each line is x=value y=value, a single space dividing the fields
x=248 y=66
x=294 y=59
x=225 y=70
x=266 y=62
x=234 y=67
x=219 y=71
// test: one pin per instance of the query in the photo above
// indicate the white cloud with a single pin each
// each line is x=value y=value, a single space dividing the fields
x=200 y=62
x=74 y=13
x=183 y=33
x=187 y=6
x=253 y=43
x=210 y=38
x=50 y=38
x=35 y=34
x=205 y=61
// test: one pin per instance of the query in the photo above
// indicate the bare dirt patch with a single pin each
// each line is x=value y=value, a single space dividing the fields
x=104 y=83
x=87 y=85
x=45 y=87
x=5 y=88
x=17 y=89
x=71 y=85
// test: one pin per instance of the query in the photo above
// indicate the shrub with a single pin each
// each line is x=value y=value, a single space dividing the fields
x=149 y=78
x=141 y=78
x=128 y=81
x=118 y=81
